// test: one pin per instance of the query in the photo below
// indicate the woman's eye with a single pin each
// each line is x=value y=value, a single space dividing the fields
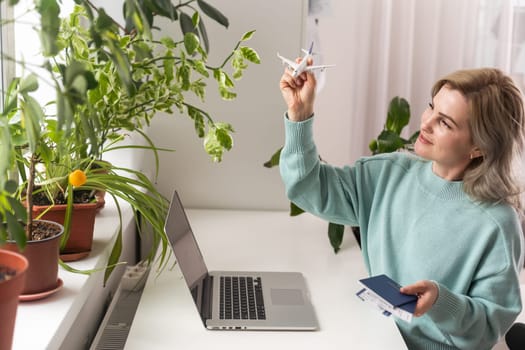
x=444 y=123
x=431 y=105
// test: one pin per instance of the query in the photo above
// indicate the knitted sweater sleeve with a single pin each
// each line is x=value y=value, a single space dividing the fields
x=318 y=188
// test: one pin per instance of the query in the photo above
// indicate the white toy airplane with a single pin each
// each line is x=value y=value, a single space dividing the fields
x=298 y=68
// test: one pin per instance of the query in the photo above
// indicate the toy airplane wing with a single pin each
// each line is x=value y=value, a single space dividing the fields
x=323 y=67
x=288 y=62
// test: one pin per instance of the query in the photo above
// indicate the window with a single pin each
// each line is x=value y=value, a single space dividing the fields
x=7 y=66
x=517 y=56
x=501 y=37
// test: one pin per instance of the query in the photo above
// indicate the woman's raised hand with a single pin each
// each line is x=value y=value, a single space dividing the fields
x=298 y=93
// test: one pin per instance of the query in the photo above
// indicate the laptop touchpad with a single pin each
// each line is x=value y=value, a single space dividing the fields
x=287 y=297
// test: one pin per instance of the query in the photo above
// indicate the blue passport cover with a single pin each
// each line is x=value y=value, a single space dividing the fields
x=388 y=289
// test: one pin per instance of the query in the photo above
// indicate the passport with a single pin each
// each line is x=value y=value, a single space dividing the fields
x=384 y=293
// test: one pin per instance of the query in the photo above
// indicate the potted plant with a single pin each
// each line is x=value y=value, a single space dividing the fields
x=42 y=253
x=13 y=268
x=389 y=140
x=110 y=80
x=38 y=241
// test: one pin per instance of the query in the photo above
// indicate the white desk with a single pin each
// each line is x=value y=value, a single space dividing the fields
x=167 y=318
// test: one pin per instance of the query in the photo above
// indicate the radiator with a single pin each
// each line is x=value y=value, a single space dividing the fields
x=114 y=328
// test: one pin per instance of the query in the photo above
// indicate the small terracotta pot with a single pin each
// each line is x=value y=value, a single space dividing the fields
x=43 y=256
x=80 y=238
x=9 y=292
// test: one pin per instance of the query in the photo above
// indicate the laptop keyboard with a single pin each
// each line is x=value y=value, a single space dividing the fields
x=241 y=298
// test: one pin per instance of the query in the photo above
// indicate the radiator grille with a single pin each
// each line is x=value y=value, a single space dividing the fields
x=117 y=328
x=114 y=329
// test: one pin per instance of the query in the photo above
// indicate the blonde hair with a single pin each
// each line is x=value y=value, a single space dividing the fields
x=497 y=128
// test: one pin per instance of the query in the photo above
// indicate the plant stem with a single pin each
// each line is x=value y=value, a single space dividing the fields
x=29 y=196
x=231 y=54
x=210 y=119
x=183 y=4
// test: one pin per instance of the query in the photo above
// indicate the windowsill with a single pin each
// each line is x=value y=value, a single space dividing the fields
x=46 y=323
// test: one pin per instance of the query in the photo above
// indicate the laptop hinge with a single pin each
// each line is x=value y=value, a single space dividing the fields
x=207 y=295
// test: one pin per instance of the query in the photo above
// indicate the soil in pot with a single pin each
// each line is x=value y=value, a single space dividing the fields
x=43 y=229
x=79 y=196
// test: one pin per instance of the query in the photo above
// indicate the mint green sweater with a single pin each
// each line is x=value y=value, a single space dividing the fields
x=418 y=226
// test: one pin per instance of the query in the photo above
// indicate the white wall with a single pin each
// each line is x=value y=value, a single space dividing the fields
x=240 y=181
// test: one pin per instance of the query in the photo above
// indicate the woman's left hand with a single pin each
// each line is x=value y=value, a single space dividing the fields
x=427 y=293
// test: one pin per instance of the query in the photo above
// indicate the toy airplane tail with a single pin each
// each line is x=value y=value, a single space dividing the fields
x=310 y=51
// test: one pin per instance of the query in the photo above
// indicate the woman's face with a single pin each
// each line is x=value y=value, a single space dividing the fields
x=445 y=135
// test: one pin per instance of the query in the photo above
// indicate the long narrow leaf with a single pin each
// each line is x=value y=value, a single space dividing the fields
x=116 y=251
x=68 y=217
x=204 y=36
x=32 y=115
x=69 y=268
x=213 y=13
x=186 y=24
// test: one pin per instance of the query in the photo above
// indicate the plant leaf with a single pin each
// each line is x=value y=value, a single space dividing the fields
x=186 y=24
x=204 y=36
x=162 y=8
x=11 y=98
x=274 y=160
x=198 y=119
x=191 y=42
x=414 y=137
x=247 y=35
x=114 y=256
x=398 y=115
x=68 y=216
x=28 y=84
x=217 y=140
x=389 y=141
x=49 y=11
x=16 y=230
x=213 y=13
x=295 y=210
x=335 y=234
x=123 y=65
x=32 y=115
x=250 y=54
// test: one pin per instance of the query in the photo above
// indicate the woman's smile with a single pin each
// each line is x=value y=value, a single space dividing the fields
x=424 y=140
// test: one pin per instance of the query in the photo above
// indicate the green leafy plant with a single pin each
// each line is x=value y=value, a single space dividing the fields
x=110 y=80
x=389 y=140
x=162 y=72
x=13 y=214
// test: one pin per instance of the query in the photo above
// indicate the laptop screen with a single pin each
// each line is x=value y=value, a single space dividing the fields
x=185 y=248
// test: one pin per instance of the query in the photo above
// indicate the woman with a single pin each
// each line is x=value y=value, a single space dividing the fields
x=445 y=223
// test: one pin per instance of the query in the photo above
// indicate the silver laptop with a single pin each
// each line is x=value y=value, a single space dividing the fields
x=235 y=300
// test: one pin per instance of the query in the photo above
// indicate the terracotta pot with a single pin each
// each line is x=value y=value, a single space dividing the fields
x=80 y=240
x=9 y=292
x=43 y=256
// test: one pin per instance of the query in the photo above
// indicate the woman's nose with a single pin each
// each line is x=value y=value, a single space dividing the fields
x=426 y=124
